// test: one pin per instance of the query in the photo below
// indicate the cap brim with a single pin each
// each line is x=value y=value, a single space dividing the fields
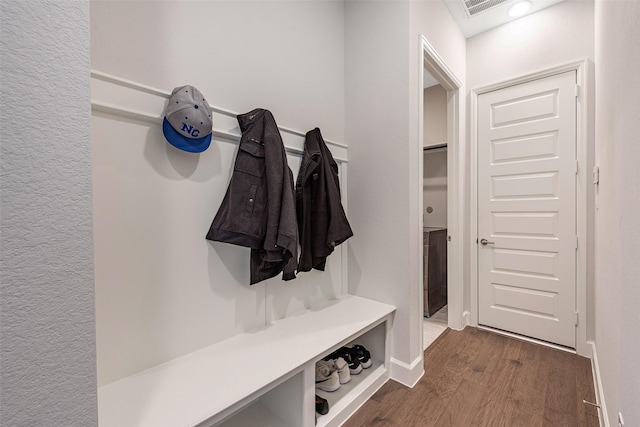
x=186 y=144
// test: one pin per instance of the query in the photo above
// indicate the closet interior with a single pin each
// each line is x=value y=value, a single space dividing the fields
x=435 y=235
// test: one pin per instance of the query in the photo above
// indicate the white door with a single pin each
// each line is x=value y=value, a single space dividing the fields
x=527 y=209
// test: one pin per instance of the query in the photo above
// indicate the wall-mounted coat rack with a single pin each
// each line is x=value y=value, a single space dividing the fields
x=172 y=309
x=111 y=95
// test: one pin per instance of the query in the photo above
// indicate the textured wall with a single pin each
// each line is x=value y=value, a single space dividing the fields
x=617 y=229
x=46 y=308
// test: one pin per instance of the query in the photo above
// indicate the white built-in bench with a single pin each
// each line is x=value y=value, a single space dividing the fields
x=260 y=378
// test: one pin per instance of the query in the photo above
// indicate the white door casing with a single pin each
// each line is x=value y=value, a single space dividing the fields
x=526 y=192
x=437 y=67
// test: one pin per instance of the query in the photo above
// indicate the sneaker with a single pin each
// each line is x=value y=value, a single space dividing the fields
x=322 y=406
x=326 y=376
x=350 y=357
x=363 y=355
x=341 y=366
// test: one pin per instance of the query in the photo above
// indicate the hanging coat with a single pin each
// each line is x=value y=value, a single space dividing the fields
x=322 y=223
x=258 y=210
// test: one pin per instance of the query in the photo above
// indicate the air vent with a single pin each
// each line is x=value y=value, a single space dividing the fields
x=474 y=7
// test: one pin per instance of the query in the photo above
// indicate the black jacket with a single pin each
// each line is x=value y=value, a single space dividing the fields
x=258 y=210
x=322 y=223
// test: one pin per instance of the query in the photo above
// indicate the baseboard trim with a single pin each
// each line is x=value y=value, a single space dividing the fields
x=466 y=318
x=405 y=374
x=597 y=384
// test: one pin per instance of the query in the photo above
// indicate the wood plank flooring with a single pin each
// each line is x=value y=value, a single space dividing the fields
x=477 y=378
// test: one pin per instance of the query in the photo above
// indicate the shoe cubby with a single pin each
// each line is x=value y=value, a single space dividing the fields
x=265 y=377
x=281 y=406
x=350 y=396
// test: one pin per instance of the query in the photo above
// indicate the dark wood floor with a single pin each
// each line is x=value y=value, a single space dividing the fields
x=477 y=378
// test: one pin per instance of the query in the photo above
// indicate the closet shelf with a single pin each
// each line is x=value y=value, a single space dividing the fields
x=214 y=382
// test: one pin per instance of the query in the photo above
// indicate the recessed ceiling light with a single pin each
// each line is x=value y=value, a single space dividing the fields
x=520 y=8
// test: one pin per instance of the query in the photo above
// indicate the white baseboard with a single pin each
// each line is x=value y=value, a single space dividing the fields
x=466 y=318
x=597 y=383
x=408 y=375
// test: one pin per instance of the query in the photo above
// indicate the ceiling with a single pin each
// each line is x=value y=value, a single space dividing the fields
x=492 y=13
x=486 y=14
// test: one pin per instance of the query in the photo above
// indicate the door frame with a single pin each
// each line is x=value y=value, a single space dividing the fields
x=584 y=192
x=433 y=62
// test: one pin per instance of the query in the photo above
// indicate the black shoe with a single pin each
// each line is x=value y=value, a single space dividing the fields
x=322 y=406
x=351 y=357
x=363 y=355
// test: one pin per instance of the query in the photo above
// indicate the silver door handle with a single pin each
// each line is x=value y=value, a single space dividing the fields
x=485 y=242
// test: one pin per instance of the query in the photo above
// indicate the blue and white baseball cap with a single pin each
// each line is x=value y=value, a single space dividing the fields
x=188 y=122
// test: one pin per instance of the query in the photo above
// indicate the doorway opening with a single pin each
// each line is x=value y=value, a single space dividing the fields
x=440 y=198
x=434 y=210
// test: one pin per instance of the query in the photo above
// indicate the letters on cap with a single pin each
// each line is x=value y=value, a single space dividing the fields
x=188 y=123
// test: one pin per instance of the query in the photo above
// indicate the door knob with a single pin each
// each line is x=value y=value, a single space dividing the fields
x=485 y=242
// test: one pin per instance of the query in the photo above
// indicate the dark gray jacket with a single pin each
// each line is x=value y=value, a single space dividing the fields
x=258 y=210
x=322 y=222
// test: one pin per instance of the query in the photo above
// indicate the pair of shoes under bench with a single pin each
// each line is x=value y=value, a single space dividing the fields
x=362 y=354
x=331 y=373
x=356 y=356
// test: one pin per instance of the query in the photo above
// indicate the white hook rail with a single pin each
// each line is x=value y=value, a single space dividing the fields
x=127 y=112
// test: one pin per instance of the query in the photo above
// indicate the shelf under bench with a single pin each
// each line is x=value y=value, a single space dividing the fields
x=216 y=381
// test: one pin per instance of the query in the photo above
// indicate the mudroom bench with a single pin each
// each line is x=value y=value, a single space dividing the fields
x=265 y=377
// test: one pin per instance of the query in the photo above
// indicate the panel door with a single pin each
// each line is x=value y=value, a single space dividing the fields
x=527 y=209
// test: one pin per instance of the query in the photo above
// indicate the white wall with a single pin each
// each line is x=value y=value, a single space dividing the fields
x=433 y=20
x=382 y=92
x=617 y=293
x=47 y=344
x=435 y=161
x=554 y=36
x=435 y=188
x=377 y=126
x=285 y=56
x=435 y=116
x=550 y=37
x=162 y=290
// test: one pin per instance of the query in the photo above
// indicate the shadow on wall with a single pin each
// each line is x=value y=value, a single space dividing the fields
x=176 y=164
x=308 y=291
x=355 y=272
x=226 y=260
